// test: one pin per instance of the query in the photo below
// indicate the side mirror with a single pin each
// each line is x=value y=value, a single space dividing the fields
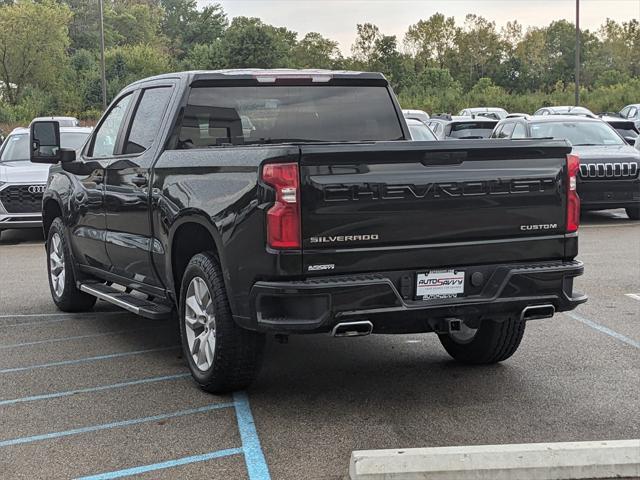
x=630 y=140
x=44 y=144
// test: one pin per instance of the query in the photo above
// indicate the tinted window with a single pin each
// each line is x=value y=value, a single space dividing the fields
x=519 y=131
x=104 y=143
x=496 y=133
x=471 y=129
x=578 y=133
x=625 y=129
x=16 y=147
x=274 y=114
x=147 y=119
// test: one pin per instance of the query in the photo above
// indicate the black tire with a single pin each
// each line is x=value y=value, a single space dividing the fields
x=633 y=213
x=238 y=352
x=493 y=342
x=70 y=299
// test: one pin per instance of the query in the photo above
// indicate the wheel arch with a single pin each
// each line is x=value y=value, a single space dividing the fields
x=190 y=235
x=51 y=209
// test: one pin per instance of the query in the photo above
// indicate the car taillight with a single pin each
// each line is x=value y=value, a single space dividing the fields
x=573 y=201
x=283 y=219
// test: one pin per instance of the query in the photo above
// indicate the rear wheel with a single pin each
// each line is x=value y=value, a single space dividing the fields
x=633 y=213
x=62 y=281
x=492 y=342
x=222 y=356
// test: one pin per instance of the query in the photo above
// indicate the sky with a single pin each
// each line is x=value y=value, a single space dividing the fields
x=337 y=19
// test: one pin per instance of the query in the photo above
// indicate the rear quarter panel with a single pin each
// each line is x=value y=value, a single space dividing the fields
x=220 y=189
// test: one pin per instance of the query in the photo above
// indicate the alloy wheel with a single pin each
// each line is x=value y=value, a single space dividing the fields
x=200 y=323
x=56 y=265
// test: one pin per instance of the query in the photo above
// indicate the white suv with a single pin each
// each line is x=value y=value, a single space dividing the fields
x=22 y=183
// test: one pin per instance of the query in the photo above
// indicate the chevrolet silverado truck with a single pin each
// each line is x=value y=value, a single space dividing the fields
x=254 y=202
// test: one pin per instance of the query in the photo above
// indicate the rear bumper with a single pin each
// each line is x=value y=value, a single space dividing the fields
x=387 y=299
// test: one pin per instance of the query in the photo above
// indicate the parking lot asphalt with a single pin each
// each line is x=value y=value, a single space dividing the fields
x=106 y=391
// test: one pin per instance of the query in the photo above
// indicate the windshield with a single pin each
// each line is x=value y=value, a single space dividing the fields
x=419 y=131
x=471 y=129
x=16 y=146
x=276 y=114
x=578 y=133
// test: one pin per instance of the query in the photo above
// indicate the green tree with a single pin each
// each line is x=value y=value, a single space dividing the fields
x=480 y=51
x=364 y=46
x=316 y=51
x=130 y=23
x=127 y=64
x=33 y=43
x=433 y=40
x=187 y=26
x=250 y=43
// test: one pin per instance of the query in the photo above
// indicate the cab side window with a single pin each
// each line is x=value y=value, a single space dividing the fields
x=497 y=132
x=104 y=141
x=147 y=119
x=633 y=112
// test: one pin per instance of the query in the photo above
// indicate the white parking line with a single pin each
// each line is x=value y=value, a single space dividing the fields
x=603 y=329
x=635 y=296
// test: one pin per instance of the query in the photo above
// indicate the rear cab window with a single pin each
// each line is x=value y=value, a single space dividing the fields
x=470 y=129
x=267 y=114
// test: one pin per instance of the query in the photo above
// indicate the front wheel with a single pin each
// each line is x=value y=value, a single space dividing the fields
x=492 y=342
x=62 y=281
x=222 y=356
x=633 y=213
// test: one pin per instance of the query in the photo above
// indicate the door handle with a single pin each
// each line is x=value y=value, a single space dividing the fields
x=139 y=180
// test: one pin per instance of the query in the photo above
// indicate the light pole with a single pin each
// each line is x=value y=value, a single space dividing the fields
x=577 y=74
x=102 y=67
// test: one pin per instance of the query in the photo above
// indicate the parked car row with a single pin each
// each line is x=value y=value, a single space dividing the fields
x=608 y=176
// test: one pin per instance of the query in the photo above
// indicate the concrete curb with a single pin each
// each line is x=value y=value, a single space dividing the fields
x=532 y=461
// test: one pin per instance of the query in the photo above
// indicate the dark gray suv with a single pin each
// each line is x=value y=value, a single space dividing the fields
x=608 y=165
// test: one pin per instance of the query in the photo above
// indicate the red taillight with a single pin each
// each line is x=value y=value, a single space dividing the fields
x=283 y=219
x=573 y=201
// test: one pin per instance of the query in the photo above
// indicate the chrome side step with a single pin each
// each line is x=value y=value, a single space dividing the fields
x=127 y=301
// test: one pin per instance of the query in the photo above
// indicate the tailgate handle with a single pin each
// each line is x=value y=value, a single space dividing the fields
x=443 y=158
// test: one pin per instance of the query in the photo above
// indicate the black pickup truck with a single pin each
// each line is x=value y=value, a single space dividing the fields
x=250 y=202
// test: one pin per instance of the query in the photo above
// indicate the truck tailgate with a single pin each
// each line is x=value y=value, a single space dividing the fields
x=392 y=205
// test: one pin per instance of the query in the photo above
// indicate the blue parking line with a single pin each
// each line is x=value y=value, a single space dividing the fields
x=48 y=396
x=253 y=455
x=168 y=464
x=78 y=337
x=108 y=426
x=603 y=329
x=84 y=360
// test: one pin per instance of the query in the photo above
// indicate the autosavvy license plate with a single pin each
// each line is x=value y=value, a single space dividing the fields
x=440 y=284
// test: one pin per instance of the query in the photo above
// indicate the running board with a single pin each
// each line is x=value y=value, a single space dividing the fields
x=137 y=305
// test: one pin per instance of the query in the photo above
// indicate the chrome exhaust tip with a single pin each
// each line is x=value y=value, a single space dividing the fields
x=352 y=329
x=535 y=312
